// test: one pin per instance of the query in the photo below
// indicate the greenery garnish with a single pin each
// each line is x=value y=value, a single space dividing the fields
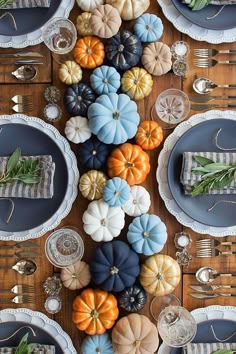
x=6 y=2
x=214 y=175
x=24 y=347
x=26 y=171
x=225 y=351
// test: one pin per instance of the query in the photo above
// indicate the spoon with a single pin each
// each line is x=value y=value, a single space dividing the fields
x=206 y=275
x=24 y=267
x=23 y=73
x=203 y=85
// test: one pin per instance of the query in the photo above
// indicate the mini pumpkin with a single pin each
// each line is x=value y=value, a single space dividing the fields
x=105 y=79
x=78 y=98
x=129 y=9
x=148 y=28
x=94 y=311
x=116 y=191
x=133 y=299
x=89 y=52
x=70 y=72
x=97 y=344
x=83 y=24
x=77 y=129
x=91 y=184
x=137 y=83
x=157 y=58
x=135 y=334
x=160 y=275
x=89 y=5
x=149 y=135
x=103 y=222
x=129 y=162
x=76 y=276
x=139 y=202
x=93 y=154
x=105 y=21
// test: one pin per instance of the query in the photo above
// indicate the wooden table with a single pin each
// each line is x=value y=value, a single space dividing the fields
x=48 y=75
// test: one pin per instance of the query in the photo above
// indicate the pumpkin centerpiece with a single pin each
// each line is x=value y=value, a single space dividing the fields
x=94 y=311
x=114 y=266
x=97 y=344
x=137 y=83
x=139 y=202
x=105 y=21
x=89 y=52
x=105 y=79
x=129 y=162
x=149 y=135
x=92 y=183
x=78 y=98
x=93 y=154
x=133 y=299
x=76 y=276
x=157 y=58
x=83 y=24
x=77 y=130
x=130 y=9
x=148 y=28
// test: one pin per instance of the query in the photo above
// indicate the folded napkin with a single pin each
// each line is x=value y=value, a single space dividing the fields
x=21 y=4
x=189 y=179
x=207 y=348
x=18 y=189
x=223 y=2
x=38 y=349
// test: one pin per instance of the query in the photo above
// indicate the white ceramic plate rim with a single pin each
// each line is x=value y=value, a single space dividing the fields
x=161 y=175
x=73 y=178
x=203 y=314
x=39 y=319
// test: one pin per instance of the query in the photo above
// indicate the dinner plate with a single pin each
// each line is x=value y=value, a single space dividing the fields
x=201 y=137
x=27 y=20
x=225 y=20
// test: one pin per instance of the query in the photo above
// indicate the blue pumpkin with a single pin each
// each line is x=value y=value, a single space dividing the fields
x=93 y=154
x=147 y=234
x=113 y=118
x=114 y=266
x=148 y=28
x=99 y=343
x=116 y=192
x=105 y=79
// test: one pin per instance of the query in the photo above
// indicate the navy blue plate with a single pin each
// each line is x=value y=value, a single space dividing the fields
x=225 y=20
x=201 y=138
x=223 y=329
x=27 y=20
x=30 y=213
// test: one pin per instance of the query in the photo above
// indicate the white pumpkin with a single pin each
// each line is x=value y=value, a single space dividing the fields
x=76 y=276
x=89 y=5
x=70 y=72
x=130 y=9
x=139 y=202
x=77 y=129
x=103 y=222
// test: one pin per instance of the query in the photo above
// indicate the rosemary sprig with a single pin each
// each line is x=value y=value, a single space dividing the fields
x=26 y=171
x=5 y=3
x=214 y=175
x=24 y=347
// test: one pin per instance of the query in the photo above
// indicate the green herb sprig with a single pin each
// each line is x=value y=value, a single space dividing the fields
x=225 y=351
x=214 y=175
x=4 y=3
x=26 y=171
x=24 y=347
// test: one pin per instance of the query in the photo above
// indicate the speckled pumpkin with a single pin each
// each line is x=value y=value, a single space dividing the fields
x=92 y=183
x=157 y=58
x=89 y=52
x=137 y=83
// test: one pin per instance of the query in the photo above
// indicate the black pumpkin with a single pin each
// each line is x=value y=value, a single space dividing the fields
x=123 y=50
x=133 y=299
x=93 y=154
x=78 y=98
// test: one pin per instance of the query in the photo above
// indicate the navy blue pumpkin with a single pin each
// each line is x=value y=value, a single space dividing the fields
x=93 y=154
x=123 y=50
x=114 y=266
x=78 y=98
x=133 y=299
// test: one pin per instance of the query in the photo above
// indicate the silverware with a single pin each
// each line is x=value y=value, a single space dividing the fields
x=28 y=54
x=23 y=73
x=210 y=63
x=18 y=289
x=20 y=108
x=22 y=62
x=213 y=252
x=204 y=99
x=206 y=107
x=208 y=288
x=21 y=254
x=206 y=53
x=19 y=299
x=212 y=243
x=209 y=296
x=203 y=85
x=17 y=99
x=206 y=275
x=23 y=267
x=23 y=244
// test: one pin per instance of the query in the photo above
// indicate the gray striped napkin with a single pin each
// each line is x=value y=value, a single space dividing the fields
x=38 y=349
x=41 y=190
x=207 y=348
x=223 y=2
x=189 y=179
x=21 y=4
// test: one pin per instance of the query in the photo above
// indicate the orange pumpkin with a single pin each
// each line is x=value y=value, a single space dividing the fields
x=95 y=311
x=149 y=135
x=89 y=52
x=129 y=162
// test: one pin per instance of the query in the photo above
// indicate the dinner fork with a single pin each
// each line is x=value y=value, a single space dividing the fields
x=17 y=99
x=212 y=252
x=209 y=63
x=19 y=289
x=206 y=53
x=18 y=299
x=20 y=108
x=212 y=243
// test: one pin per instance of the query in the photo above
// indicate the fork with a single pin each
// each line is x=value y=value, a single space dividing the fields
x=212 y=252
x=209 y=63
x=20 y=108
x=212 y=243
x=17 y=99
x=206 y=53
x=18 y=299
x=19 y=289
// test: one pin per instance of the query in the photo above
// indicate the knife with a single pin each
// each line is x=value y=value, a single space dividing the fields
x=204 y=99
x=21 y=54
x=205 y=107
x=23 y=254
x=209 y=296
x=206 y=288
x=24 y=244
x=24 y=62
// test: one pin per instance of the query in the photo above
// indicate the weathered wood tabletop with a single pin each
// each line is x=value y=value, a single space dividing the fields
x=48 y=75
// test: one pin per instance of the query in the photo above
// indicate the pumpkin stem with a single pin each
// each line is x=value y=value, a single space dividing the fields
x=148 y=134
x=137 y=344
x=79 y=98
x=129 y=164
x=146 y=234
x=148 y=27
x=104 y=222
x=89 y=51
x=116 y=115
x=114 y=270
x=159 y=276
x=105 y=80
x=94 y=152
x=117 y=193
x=99 y=350
x=94 y=314
x=121 y=47
x=132 y=299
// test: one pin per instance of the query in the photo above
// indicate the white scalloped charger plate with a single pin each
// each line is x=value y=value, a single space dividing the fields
x=161 y=175
x=43 y=322
x=196 y=32
x=215 y=312
x=73 y=178
x=35 y=37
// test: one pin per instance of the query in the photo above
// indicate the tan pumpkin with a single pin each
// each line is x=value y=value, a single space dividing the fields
x=135 y=334
x=160 y=275
x=105 y=21
x=156 y=58
x=92 y=183
x=83 y=24
x=137 y=83
x=76 y=276
x=70 y=72
x=130 y=9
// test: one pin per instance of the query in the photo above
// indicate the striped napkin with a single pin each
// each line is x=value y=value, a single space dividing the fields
x=223 y=2
x=41 y=190
x=21 y=4
x=207 y=348
x=38 y=349
x=189 y=178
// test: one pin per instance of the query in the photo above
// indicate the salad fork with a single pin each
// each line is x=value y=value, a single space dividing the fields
x=18 y=299
x=20 y=108
x=19 y=289
x=21 y=99
x=209 y=63
x=212 y=252
x=206 y=53
x=212 y=243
